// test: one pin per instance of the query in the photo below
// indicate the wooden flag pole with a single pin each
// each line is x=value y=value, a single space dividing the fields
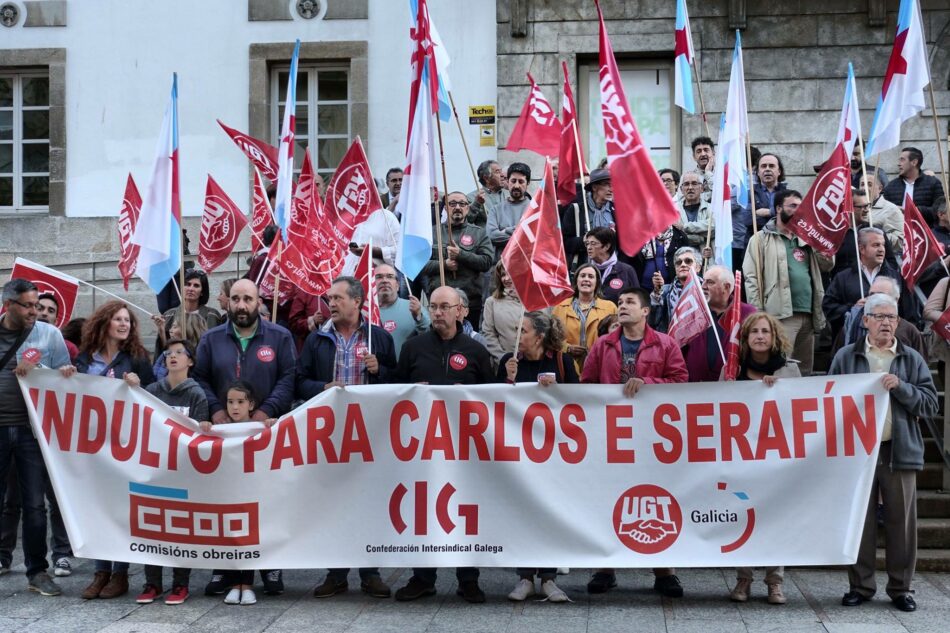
x=580 y=167
x=864 y=179
x=702 y=105
x=280 y=249
x=755 y=224
x=857 y=252
x=458 y=122
x=933 y=108
x=370 y=282
x=518 y=334
x=445 y=183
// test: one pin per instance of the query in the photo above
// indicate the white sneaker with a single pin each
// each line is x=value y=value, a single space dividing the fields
x=62 y=568
x=522 y=591
x=563 y=571
x=233 y=597
x=248 y=597
x=553 y=593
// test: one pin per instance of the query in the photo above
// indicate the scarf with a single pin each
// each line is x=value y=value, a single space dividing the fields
x=768 y=368
x=608 y=265
x=600 y=216
x=664 y=238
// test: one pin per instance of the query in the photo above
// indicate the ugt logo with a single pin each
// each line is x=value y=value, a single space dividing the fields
x=468 y=512
x=165 y=514
x=647 y=519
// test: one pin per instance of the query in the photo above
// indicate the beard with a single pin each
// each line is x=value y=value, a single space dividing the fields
x=785 y=216
x=243 y=318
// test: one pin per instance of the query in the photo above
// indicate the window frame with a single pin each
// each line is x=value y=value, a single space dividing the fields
x=17 y=77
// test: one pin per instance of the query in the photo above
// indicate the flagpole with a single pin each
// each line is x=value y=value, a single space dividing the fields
x=445 y=178
x=702 y=105
x=115 y=296
x=177 y=202
x=709 y=314
x=369 y=284
x=857 y=251
x=580 y=167
x=280 y=249
x=867 y=183
x=471 y=165
x=755 y=224
x=518 y=334
x=933 y=108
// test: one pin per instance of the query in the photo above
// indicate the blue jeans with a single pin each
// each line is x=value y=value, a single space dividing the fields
x=109 y=566
x=17 y=441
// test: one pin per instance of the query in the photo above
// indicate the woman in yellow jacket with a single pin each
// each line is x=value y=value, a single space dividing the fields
x=582 y=312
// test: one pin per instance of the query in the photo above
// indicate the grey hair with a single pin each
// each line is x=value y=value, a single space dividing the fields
x=354 y=287
x=722 y=274
x=15 y=287
x=869 y=230
x=895 y=290
x=463 y=297
x=877 y=301
x=484 y=170
x=687 y=249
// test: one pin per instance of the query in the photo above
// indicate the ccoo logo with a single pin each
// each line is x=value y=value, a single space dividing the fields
x=165 y=514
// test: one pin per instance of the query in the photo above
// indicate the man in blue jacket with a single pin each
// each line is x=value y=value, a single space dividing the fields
x=337 y=355
x=255 y=350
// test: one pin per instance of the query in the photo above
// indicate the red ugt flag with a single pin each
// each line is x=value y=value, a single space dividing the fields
x=261 y=214
x=63 y=286
x=731 y=324
x=537 y=128
x=942 y=325
x=643 y=206
x=263 y=155
x=568 y=171
x=922 y=248
x=534 y=256
x=128 y=218
x=221 y=225
x=364 y=272
x=691 y=315
x=822 y=220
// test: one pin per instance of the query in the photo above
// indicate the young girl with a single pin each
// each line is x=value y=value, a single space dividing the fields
x=185 y=395
x=241 y=401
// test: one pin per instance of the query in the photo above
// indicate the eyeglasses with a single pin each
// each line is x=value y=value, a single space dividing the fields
x=685 y=260
x=175 y=352
x=880 y=318
x=667 y=180
x=28 y=306
x=457 y=203
x=442 y=307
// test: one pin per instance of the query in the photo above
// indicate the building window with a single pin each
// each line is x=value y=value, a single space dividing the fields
x=648 y=85
x=322 y=110
x=24 y=141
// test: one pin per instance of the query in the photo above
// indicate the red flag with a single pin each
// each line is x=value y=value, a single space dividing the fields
x=823 y=218
x=128 y=218
x=261 y=215
x=568 y=171
x=221 y=224
x=691 y=315
x=644 y=207
x=922 y=248
x=537 y=128
x=261 y=154
x=64 y=287
x=364 y=272
x=534 y=256
x=941 y=326
x=732 y=323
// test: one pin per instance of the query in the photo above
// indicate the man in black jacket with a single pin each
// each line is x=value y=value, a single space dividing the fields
x=444 y=355
x=924 y=190
x=337 y=355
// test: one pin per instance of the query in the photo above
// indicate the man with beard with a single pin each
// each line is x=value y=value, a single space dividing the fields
x=924 y=190
x=489 y=195
x=399 y=317
x=790 y=287
x=258 y=352
x=857 y=174
x=444 y=355
x=504 y=217
x=467 y=254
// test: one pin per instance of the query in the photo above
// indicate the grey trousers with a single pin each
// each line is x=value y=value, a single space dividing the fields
x=898 y=488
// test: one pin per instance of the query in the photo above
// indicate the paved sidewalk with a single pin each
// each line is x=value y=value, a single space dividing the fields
x=813 y=606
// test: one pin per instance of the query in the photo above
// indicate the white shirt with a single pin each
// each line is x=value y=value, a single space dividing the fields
x=908 y=190
x=384 y=228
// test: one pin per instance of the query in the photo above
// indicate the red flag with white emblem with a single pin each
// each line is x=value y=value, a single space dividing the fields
x=922 y=248
x=568 y=169
x=261 y=214
x=263 y=155
x=942 y=326
x=537 y=128
x=823 y=218
x=534 y=256
x=691 y=315
x=732 y=323
x=644 y=208
x=64 y=287
x=221 y=224
x=128 y=218
x=364 y=272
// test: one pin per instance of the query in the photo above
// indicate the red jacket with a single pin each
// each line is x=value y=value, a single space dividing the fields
x=659 y=359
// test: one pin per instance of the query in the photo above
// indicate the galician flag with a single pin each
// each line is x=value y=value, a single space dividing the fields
x=442 y=59
x=721 y=209
x=158 y=232
x=683 y=60
x=285 y=151
x=849 y=127
x=902 y=95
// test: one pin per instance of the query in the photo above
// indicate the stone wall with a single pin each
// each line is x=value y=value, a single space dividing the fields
x=796 y=57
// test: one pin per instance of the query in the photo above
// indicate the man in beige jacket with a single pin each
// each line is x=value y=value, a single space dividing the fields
x=783 y=277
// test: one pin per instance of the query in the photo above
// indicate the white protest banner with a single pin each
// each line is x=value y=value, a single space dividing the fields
x=496 y=475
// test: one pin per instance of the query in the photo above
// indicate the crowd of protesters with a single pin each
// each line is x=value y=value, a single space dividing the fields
x=238 y=364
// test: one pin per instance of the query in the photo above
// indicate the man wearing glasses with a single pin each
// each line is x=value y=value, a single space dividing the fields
x=694 y=211
x=467 y=253
x=26 y=343
x=399 y=317
x=444 y=355
x=912 y=396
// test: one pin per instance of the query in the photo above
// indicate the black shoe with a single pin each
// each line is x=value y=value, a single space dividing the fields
x=470 y=592
x=273 y=582
x=853 y=599
x=330 y=587
x=375 y=587
x=668 y=586
x=905 y=603
x=601 y=582
x=415 y=589
x=217 y=586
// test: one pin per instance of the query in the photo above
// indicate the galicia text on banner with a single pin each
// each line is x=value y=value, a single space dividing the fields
x=412 y=475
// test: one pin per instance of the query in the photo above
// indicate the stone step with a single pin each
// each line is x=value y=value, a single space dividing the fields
x=931 y=534
x=933 y=504
x=931 y=477
x=927 y=559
